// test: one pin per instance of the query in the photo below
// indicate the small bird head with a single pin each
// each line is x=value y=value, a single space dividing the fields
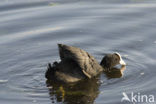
x=111 y=60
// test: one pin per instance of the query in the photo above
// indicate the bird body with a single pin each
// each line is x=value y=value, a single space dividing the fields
x=76 y=64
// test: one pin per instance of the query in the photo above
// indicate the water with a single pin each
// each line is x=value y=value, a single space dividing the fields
x=30 y=31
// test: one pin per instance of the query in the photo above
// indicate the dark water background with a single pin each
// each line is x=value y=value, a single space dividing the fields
x=31 y=29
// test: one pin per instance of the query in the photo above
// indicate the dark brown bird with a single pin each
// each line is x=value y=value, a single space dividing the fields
x=77 y=64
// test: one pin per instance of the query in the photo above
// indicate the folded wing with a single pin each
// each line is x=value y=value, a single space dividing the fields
x=85 y=61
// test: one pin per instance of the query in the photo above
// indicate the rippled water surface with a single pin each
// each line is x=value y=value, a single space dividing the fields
x=31 y=29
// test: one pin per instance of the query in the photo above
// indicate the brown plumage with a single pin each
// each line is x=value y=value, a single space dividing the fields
x=77 y=64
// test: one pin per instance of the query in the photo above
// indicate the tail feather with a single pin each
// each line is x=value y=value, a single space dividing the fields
x=50 y=71
x=49 y=66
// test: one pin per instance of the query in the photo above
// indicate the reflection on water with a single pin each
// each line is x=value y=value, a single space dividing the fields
x=82 y=92
x=115 y=72
x=30 y=30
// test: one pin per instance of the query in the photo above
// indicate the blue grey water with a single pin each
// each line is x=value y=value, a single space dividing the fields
x=31 y=29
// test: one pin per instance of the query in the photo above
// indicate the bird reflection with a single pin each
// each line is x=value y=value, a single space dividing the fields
x=115 y=72
x=82 y=92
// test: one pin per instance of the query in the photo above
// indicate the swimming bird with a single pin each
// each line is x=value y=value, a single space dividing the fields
x=77 y=64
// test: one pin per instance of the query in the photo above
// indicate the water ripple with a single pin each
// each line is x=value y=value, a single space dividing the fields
x=30 y=32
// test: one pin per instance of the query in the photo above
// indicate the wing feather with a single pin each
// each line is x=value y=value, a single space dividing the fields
x=87 y=63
